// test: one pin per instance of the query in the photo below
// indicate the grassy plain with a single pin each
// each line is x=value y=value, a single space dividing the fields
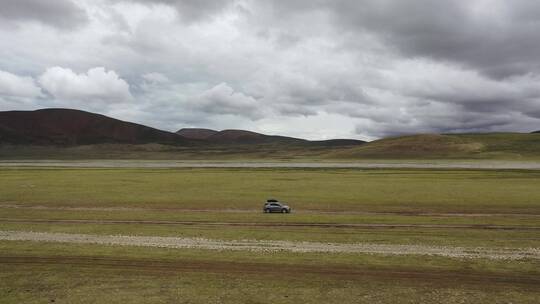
x=458 y=206
x=468 y=191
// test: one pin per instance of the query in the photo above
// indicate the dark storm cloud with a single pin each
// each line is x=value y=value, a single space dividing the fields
x=499 y=38
x=57 y=13
x=442 y=120
x=190 y=10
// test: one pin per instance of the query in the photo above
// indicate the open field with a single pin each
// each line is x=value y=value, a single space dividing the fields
x=197 y=235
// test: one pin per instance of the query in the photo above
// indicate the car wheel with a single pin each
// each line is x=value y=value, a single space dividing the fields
x=266 y=211
x=283 y=210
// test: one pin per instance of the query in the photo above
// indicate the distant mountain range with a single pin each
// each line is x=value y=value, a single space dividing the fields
x=66 y=133
x=196 y=133
x=236 y=136
x=248 y=137
x=75 y=127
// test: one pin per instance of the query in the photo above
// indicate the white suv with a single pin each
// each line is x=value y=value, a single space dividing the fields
x=273 y=205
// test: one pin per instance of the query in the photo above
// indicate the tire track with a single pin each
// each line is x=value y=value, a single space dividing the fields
x=10 y=205
x=261 y=268
x=270 y=224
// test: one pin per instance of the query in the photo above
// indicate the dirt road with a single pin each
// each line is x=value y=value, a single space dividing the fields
x=274 y=246
x=436 y=164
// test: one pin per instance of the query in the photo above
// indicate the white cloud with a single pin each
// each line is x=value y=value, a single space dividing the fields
x=97 y=85
x=299 y=67
x=222 y=99
x=155 y=78
x=12 y=85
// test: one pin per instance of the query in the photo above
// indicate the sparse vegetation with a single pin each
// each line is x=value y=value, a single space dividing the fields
x=92 y=274
x=459 y=207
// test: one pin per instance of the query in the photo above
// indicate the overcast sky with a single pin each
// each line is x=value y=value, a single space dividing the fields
x=315 y=69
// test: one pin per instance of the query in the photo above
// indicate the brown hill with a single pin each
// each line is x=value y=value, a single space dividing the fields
x=338 y=142
x=196 y=133
x=74 y=127
x=234 y=136
x=248 y=137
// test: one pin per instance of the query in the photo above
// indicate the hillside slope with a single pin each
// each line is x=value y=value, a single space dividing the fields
x=74 y=127
x=196 y=133
x=232 y=137
x=478 y=145
x=249 y=137
x=235 y=136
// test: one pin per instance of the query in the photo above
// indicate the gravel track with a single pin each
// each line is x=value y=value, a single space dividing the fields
x=274 y=246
